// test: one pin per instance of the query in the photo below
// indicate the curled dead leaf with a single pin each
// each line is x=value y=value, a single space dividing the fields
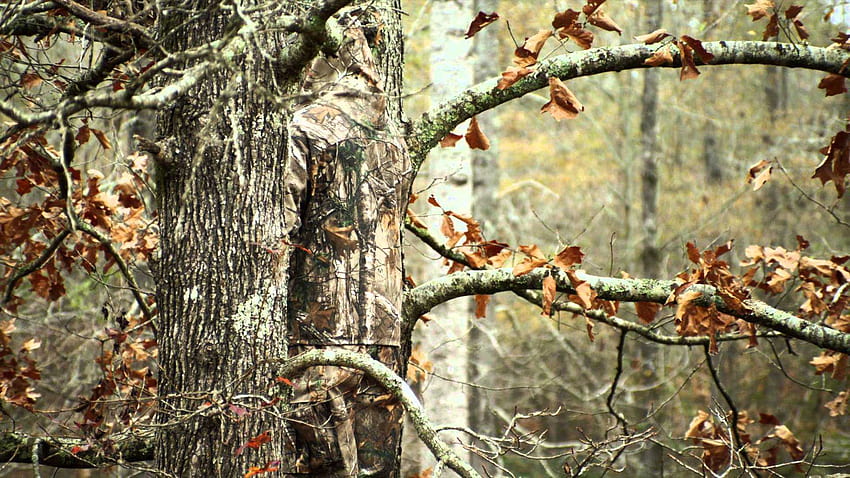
x=526 y=55
x=662 y=56
x=602 y=20
x=475 y=138
x=512 y=75
x=479 y=22
x=549 y=288
x=760 y=9
x=562 y=104
x=450 y=140
x=833 y=84
x=653 y=37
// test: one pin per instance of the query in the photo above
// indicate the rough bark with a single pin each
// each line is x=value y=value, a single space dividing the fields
x=222 y=296
x=247 y=184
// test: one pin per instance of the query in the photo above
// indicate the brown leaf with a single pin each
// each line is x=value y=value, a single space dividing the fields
x=512 y=75
x=475 y=138
x=549 y=288
x=433 y=201
x=647 y=311
x=585 y=294
x=526 y=55
x=662 y=56
x=591 y=6
x=759 y=174
x=533 y=251
x=582 y=37
x=792 y=445
x=653 y=37
x=481 y=305
x=567 y=257
x=760 y=9
x=772 y=28
x=83 y=134
x=801 y=30
x=527 y=265
x=562 y=102
x=101 y=138
x=480 y=21
x=792 y=11
x=701 y=52
x=30 y=80
x=450 y=140
x=768 y=419
x=602 y=20
x=689 y=68
x=838 y=406
x=833 y=84
x=447 y=227
x=566 y=19
x=836 y=164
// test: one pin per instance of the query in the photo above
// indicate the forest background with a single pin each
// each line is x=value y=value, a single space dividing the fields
x=567 y=183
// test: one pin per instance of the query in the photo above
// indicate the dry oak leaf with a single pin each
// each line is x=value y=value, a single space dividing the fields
x=701 y=52
x=760 y=9
x=582 y=37
x=759 y=173
x=602 y=20
x=567 y=257
x=662 y=56
x=836 y=165
x=562 y=104
x=838 y=406
x=475 y=138
x=647 y=311
x=534 y=259
x=653 y=37
x=590 y=7
x=833 y=84
x=792 y=445
x=585 y=295
x=772 y=28
x=689 y=68
x=566 y=19
x=511 y=76
x=549 y=288
x=526 y=55
x=450 y=140
x=480 y=21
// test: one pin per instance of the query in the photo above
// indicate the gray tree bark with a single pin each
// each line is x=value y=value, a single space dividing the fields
x=280 y=233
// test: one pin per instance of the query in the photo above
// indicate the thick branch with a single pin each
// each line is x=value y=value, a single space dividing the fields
x=421 y=299
x=534 y=297
x=53 y=451
x=396 y=386
x=436 y=123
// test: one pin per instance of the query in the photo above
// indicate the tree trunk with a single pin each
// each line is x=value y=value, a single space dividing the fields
x=444 y=340
x=485 y=208
x=650 y=256
x=279 y=228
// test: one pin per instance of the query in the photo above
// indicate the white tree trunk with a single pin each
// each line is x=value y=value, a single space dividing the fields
x=444 y=339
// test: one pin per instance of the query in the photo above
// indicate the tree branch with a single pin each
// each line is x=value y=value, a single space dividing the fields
x=33 y=266
x=393 y=384
x=439 y=121
x=54 y=451
x=571 y=307
x=421 y=299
